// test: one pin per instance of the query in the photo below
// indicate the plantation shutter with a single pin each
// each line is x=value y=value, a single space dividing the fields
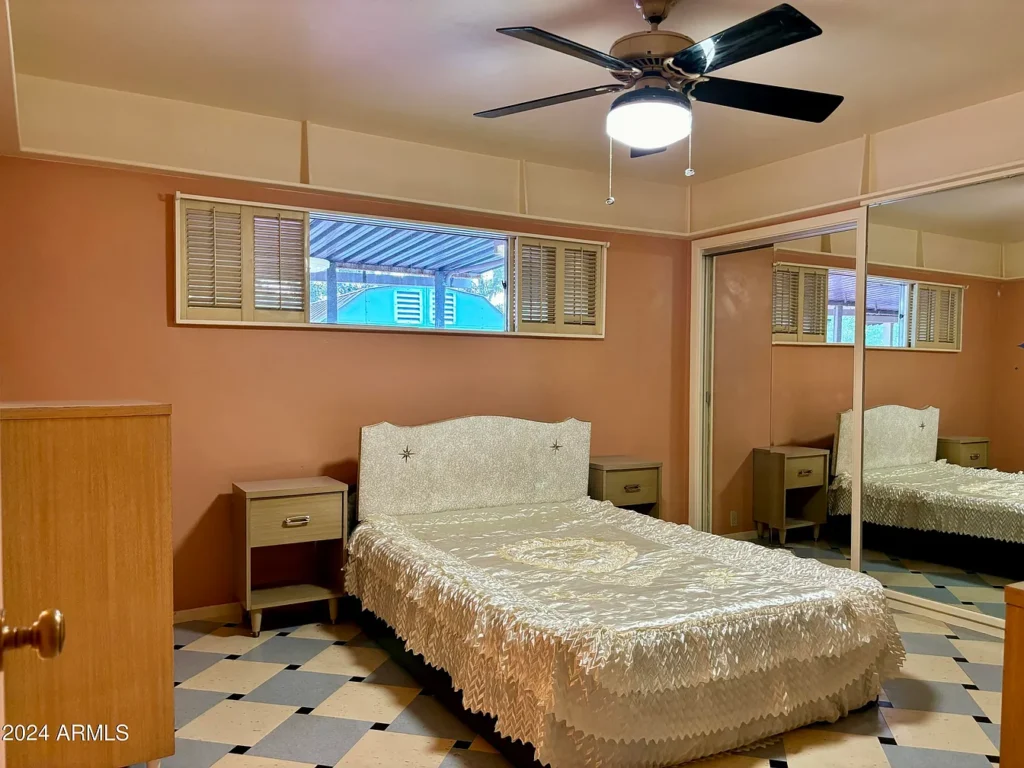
x=799 y=303
x=785 y=303
x=279 y=243
x=922 y=331
x=559 y=287
x=935 y=316
x=813 y=304
x=537 y=276
x=211 y=247
x=240 y=263
x=580 y=286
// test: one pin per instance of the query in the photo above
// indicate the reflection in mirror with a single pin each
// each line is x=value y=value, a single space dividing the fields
x=943 y=497
x=783 y=369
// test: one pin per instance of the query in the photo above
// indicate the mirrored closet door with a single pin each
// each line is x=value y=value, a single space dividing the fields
x=782 y=372
x=943 y=493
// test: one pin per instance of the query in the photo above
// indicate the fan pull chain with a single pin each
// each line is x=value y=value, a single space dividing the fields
x=611 y=154
x=689 y=146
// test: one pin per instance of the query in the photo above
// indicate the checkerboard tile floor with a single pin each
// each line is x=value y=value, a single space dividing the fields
x=325 y=695
x=977 y=592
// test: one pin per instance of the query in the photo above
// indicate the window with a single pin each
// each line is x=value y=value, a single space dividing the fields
x=801 y=315
x=365 y=272
x=243 y=263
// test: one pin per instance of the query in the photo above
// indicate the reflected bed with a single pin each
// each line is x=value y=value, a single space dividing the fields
x=905 y=487
x=600 y=636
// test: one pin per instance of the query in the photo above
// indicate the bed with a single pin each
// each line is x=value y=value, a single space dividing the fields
x=905 y=487
x=600 y=636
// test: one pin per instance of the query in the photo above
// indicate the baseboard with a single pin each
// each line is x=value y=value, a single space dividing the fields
x=741 y=535
x=229 y=613
x=948 y=614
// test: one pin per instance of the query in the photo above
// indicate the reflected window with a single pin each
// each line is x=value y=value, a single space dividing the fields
x=817 y=305
x=885 y=313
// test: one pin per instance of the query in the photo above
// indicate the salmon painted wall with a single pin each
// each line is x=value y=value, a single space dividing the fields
x=789 y=394
x=1006 y=426
x=742 y=383
x=86 y=284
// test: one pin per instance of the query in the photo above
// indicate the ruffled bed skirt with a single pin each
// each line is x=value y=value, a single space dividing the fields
x=939 y=497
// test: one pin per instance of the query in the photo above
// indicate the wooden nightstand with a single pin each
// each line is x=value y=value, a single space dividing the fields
x=273 y=512
x=790 y=488
x=626 y=481
x=965 y=451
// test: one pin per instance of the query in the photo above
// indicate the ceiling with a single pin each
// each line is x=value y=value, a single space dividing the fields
x=418 y=69
x=993 y=212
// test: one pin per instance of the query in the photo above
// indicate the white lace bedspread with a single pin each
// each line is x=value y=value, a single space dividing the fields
x=938 y=496
x=607 y=638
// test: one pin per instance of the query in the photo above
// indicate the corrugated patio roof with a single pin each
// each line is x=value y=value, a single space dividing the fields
x=359 y=245
x=884 y=295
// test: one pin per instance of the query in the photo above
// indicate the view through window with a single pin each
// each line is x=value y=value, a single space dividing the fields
x=390 y=274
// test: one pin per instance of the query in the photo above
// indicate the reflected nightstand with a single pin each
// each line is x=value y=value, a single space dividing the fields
x=790 y=489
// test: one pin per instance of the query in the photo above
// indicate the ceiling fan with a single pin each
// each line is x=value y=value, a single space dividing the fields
x=662 y=72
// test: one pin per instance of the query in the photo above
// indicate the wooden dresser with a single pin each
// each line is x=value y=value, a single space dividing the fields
x=86 y=529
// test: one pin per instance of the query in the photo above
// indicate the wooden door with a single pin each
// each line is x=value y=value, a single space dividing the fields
x=86 y=529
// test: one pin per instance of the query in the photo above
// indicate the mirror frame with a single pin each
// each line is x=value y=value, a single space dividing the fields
x=701 y=396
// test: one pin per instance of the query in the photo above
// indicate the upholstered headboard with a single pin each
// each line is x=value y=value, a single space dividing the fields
x=894 y=436
x=473 y=462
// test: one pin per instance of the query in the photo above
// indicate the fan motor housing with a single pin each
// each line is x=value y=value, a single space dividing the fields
x=648 y=50
x=654 y=11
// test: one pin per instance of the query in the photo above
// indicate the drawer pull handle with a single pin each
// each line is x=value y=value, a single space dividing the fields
x=633 y=488
x=295 y=522
x=975 y=456
x=804 y=473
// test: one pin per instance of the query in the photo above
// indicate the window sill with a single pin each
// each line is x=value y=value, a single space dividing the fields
x=850 y=346
x=381 y=329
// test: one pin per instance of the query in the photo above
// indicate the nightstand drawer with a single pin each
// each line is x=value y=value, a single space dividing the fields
x=805 y=472
x=633 y=486
x=293 y=519
x=972 y=455
x=964 y=451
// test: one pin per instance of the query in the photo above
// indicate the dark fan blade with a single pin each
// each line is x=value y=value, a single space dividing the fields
x=634 y=152
x=526 y=106
x=793 y=103
x=771 y=30
x=562 y=45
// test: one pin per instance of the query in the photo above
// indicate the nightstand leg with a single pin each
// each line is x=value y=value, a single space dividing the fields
x=332 y=609
x=760 y=531
x=255 y=619
x=782 y=536
x=817 y=530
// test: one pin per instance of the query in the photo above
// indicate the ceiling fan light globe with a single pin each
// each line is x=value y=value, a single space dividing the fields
x=649 y=118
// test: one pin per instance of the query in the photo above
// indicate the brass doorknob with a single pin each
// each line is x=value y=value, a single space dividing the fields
x=46 y=635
